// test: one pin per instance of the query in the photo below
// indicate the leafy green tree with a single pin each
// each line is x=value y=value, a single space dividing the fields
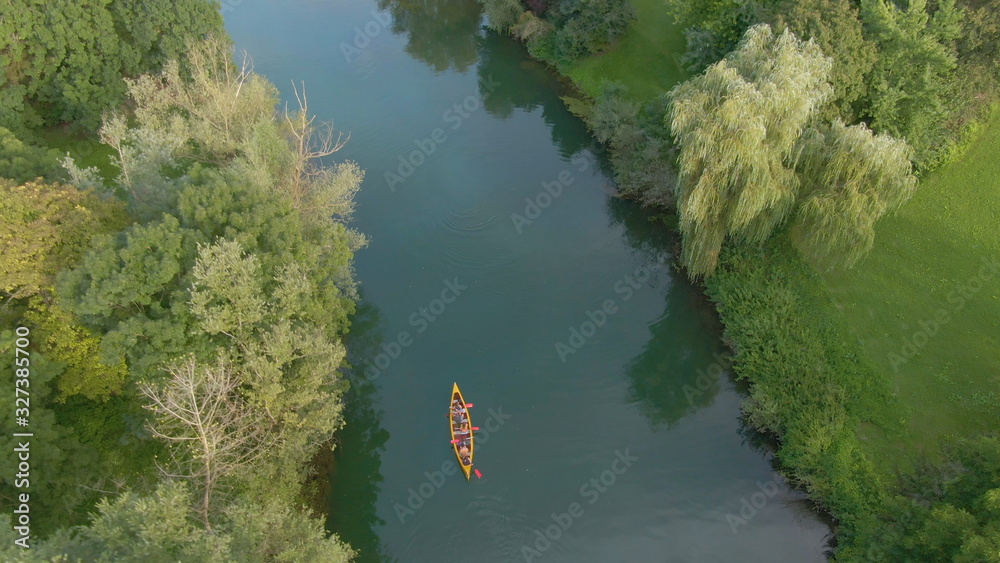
x=66 y=60
x=640 y=145
x=158 y=528
x=835 y=26
x=46 y=228
x=130 y=288
x=276 y=532
x=163 y=31
x=585 y=27
x=979 y=43
x=215 y=105
x=61 y=337
x=60 y=464
x=911 y=84
x=712 y=28
x=752 y=156
x=281 y=347
x=943 y=513
x=22 y=162
x=502 y=15
x=737 y=126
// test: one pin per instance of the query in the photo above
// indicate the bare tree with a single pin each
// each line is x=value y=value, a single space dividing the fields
x=315 y=189
x=200 y=409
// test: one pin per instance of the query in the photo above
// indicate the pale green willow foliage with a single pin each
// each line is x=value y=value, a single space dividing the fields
x=737 y=126
x=851 y=179
x=753 y=155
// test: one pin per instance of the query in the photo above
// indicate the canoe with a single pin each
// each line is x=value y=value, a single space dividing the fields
x=455 y=425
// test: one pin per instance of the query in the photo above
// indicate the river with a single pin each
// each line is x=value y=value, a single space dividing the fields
x=498 y=258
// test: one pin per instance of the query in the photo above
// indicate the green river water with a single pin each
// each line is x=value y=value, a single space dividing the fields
x=610 y=428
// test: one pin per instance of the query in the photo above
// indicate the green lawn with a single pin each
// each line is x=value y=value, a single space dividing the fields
x=646 y=58
x=923 y=292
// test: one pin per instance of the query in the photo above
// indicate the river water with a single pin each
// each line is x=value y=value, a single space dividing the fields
x=610 y=429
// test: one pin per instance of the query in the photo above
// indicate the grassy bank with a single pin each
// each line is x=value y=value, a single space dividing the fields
x=925 y=304
x=646 y=58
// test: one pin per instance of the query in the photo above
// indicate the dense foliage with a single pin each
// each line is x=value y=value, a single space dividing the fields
x=641 y=148
x=920 y=70
x=562 y=31
x=945 y=512
x=213 y=274
x=156 y=527
x=810 y=386
x=63 y=62
x=21 y=162
x=752 y=155
x=47 y=228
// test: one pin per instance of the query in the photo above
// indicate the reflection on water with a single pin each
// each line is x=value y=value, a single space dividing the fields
x=506 y=62
x=441 y=33
x=359 y=445
x=677 y=372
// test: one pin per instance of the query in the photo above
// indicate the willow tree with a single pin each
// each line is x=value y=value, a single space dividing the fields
x=851 y=178
x=738 y=126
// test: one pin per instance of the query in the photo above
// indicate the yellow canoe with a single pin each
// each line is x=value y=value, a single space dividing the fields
x=459 y=438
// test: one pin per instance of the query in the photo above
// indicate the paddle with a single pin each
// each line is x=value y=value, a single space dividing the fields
x=478 y=474
x=468 y=405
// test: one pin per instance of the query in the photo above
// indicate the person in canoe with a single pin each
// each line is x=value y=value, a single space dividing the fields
x=463 y=454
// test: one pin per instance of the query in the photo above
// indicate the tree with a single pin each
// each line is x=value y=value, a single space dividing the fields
x=142 y=155
x=737 y=126
x=215 y=434
x=130 y=288
x=502 y=15
x=318 y=191
x=851 y=178
x=585 y=27
x=712 y=28
x=282 y=348
x=157 y=528
x=62 y=468
x=217 y=107
x=949 y=511
x=835 y=26
x=66 y=60
x=61 y=337
x=46 y=228
x=911 y=87
x=22 y=162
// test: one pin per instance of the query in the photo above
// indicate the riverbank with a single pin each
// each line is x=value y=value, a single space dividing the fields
x=853 y=420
